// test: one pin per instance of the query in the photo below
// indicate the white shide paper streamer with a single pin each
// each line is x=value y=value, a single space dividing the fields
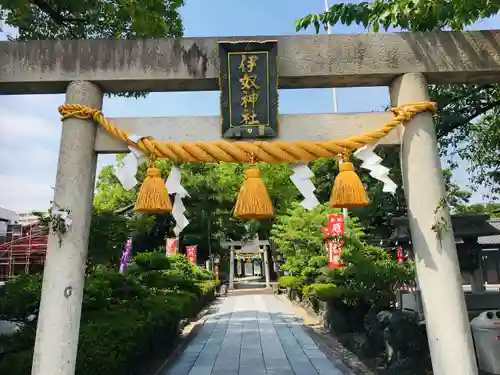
x=63 y=215
x=301 y=178
x=174 y=186
x=371 y=162
x=126 y=173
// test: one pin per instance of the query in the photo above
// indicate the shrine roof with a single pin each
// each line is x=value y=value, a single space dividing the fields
x=494 y=239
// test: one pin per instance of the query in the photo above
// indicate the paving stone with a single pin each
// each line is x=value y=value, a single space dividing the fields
x=252 y=371
x=315 y=354
x=180 y=369
x=201 y=370
x=252 y=335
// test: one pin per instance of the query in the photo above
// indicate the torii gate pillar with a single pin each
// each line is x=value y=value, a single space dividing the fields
x=56 y=341
x=436 y=260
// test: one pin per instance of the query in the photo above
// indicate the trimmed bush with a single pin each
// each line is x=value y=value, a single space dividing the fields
x=323 y=292
x=18 y=363
x=289 y=282
x=208 y=290
x=127 y=320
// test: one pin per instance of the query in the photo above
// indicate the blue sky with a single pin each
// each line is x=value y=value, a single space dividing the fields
x=28 y=167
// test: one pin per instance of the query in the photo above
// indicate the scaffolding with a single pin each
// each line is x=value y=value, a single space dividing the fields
x=23 y=251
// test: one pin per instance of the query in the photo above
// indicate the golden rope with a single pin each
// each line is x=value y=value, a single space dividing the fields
x=240 y=151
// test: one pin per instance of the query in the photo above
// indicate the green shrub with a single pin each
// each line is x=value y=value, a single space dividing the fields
x=184 y=304
x=180 y=262
x=20 y=298
x=289 y=282
x=126 y=319
x=202 y=274
x=169 y=279
x=207 y=289
x=18 y=363
x=120 y=341
x=106 y=288
x=152 y=261
x=323 y=292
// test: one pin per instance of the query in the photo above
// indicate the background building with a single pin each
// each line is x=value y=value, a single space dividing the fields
x=23 y=244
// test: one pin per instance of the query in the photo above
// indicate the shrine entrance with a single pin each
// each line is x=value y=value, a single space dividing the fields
x=407 y=63
x=249 y=263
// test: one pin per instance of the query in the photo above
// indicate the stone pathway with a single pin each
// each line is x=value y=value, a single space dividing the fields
x=252 y=335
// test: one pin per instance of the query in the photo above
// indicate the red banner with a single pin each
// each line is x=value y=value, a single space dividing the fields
x=336 y=224
x=400 y=255
x=335 y=227
x=191 y=253
x=170 y=246
x=334 y=250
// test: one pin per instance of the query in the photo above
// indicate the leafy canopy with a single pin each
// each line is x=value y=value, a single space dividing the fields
x=468 y=120
x=370 y=273
x=416 y=15
x=92 y=19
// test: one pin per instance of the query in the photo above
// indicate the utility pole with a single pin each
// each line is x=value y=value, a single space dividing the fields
x=345 y=212
x=209 y=235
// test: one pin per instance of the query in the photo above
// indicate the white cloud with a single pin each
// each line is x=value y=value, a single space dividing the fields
x=23 y=193
x=29 y=143
x=30 y=132
x=17 y=125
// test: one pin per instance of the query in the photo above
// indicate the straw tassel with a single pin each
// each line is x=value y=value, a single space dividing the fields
x=348 y=190
x=253 y=202
x=153 y=195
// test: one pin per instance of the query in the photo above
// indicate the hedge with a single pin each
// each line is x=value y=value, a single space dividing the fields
x=127 y=322
x=323 y=292
x=123 y=340
x=289 y=282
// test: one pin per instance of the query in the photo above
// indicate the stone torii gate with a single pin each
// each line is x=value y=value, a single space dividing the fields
x=403 y=61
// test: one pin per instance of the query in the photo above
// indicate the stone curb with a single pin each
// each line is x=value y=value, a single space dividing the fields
x=347 y=361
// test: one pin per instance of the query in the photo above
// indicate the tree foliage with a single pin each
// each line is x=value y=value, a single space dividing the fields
x=92 y=19
x=298 y=232
x=417 y=15
x=468 y=121
x=490 y=209
x=370 y=273
x=213 y=189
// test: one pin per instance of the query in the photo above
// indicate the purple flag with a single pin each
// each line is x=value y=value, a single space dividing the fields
x=125 y=255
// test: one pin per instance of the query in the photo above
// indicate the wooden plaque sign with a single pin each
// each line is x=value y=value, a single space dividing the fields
x=249 y=89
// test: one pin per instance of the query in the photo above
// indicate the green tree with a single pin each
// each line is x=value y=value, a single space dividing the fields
x=370 y=272
x=415 y=15
x=456 y=195
x=108 y=233
x=92 y=19
x=209 y=208
x=491 y=209
x=468 y=121
x=376 y=217
x=298 y=235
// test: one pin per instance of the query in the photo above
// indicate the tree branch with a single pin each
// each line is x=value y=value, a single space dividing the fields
x=463 y=96
x=57 y=16
x=452 y=126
